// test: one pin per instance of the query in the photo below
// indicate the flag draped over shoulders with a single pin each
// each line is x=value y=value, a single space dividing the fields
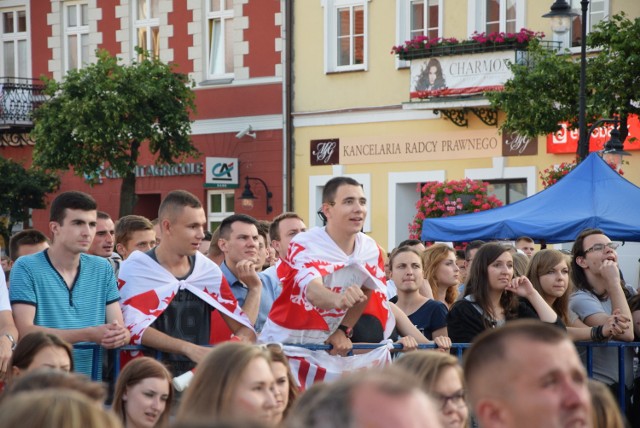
x=147 y=289
x=312 y=255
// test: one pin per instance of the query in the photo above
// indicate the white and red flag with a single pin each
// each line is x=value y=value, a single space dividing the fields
x=147 y=288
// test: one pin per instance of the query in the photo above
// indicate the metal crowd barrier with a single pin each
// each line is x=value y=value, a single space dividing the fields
x=457 y=348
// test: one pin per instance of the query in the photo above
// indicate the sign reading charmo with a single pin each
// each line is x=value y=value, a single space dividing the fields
x=460 y=74
x=424 y=147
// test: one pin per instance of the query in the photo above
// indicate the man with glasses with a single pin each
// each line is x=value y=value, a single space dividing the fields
x=600 y=294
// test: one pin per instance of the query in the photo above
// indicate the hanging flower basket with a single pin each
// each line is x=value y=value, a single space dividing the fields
x=425 y=47
x=450 y=198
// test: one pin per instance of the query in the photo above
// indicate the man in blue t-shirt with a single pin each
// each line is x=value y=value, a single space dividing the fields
x=65 y=291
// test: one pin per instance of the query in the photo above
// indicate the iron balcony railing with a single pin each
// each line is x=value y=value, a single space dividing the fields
x=19 y=97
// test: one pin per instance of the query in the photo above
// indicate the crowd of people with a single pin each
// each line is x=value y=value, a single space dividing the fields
x=228 y=310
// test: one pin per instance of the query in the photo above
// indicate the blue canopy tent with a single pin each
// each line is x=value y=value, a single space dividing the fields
x=593 y=195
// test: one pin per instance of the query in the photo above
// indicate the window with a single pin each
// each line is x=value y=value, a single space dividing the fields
x=221 y=204
x=345 y=35
x=147 y=26
x=418 y=18
x=598 y=10
x=490 y=16
x=220 y=38
x=76 y=34
x=15 y=54
x=508 y=191
x=424 y=18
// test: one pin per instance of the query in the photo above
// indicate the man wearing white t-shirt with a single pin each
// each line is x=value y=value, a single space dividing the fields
x=328 y=275
x=8 y=330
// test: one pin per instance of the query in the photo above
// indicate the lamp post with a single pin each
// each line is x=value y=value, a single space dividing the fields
x=248 y=197
x=561 y=15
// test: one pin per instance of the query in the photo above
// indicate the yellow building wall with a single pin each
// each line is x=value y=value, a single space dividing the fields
x=382 y=86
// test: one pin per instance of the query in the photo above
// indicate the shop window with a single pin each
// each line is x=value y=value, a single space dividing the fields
x=345 y=35
x=76 y=35
x=15 y=43
x=220 y=204
x=508 y=191
x=220 y=39
x=147 y=25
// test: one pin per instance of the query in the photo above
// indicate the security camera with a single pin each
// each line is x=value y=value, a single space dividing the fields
x=246 y=131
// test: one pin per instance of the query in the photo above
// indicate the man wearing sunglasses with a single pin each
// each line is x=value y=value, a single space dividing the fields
x=599 y=294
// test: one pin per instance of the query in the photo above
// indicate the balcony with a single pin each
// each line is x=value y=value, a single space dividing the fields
x=19 y=97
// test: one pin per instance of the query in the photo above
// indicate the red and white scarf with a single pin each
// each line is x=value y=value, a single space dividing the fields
x=312 y=255
x=147 y=288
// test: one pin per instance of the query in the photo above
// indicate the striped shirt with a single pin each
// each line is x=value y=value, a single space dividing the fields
x=34 y=281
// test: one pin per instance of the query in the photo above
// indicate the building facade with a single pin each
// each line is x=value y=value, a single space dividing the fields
x=231 y=49
x=353 y=113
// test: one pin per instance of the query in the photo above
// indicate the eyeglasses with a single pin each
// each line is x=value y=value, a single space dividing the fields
x=457 y=399
x=600 y=247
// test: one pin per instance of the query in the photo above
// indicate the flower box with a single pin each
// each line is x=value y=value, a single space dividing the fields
x=425 y=47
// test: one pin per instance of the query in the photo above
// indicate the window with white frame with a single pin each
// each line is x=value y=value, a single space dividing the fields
x=418 y=18
x=598 y=11
x=345 y=35
x=76 y=34
x=147 y=25
x=490 y=16
x=220 y=204
x=220 y=39
x=15 y=45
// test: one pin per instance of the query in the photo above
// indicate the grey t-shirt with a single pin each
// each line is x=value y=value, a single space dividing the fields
x=605 y=360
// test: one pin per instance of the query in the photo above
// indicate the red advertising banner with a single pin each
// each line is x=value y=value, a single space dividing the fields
x=566 y=140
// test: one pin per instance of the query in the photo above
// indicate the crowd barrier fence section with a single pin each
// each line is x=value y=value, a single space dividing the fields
x=457 y=348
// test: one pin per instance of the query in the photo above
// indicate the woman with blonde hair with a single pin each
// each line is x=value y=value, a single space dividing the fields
x=442 y=272
x=233 y=382
x=604 y=409
x=440 y=376
x=143 y=394
x=55 y=408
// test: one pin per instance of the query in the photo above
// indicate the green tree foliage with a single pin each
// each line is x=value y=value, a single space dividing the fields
x=21 y=190
x=101 y=115
x=544 y=89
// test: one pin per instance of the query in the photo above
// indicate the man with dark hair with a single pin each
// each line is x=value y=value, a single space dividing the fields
x=525 y=244
x=600 y=294
x=282 y=230
x=331 y=271
x=526 y=374
x=65 y=291
x=134 y=232
x=170 y=293
x=103 y=242
x=254 y=291
x=25 y=242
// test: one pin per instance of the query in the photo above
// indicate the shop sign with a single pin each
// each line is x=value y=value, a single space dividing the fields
x=460 y=74
x=420 y=147
x=325 y=152
x=164 y=170
x=566 y=140
x=514 y=144
x=221 y=173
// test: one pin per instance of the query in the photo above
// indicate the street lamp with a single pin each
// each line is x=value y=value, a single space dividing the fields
x=248 y=197
x=613 y=150
x=561 y=15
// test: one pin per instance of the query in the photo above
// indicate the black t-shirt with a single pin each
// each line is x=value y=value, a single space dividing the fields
x=188 y=318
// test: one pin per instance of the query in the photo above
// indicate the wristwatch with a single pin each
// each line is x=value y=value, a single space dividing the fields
x=12 y=340
x=348 y=331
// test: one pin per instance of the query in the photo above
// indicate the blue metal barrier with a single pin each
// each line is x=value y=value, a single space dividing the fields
x=457 y=347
